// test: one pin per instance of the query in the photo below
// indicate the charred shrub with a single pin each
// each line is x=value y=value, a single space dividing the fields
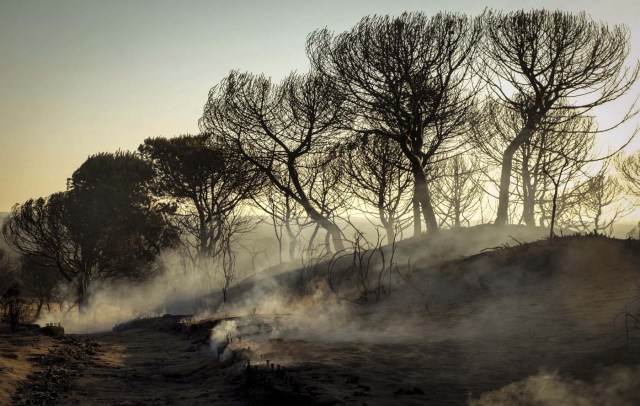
x=13 y=308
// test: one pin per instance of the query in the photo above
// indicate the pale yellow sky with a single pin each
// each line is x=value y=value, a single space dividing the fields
x=79 y=77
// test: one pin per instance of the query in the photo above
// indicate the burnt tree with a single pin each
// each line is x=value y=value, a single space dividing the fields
x=283 y=130
x=544 y=62
x=406 y=78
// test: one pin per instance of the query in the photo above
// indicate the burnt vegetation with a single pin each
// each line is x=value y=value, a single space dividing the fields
x=402 y=161
x=410 y=122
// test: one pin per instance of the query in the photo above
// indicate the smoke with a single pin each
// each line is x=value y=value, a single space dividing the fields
x=181 y=289
x=530 y=292
x=616 y=385
x=509 y=311
x=506 y=314
x=310 y=306
x=221 y=336
x=110 y=304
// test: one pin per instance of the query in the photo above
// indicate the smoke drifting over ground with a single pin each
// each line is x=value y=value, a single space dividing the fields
x=180 y=290
x=540 y=323
x=303 y=293
x=614 y=386
x=462 y=328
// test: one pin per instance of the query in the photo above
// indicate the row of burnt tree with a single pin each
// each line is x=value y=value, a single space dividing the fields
x=403 y=95
x=412 y=119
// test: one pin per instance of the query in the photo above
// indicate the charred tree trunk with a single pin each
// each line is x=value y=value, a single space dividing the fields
x=505 y=176
x=301 y=197
x=457 y=210
x=328 y=225
x=554 y=208
x=327 y=243
x=424 y=198
x=278 y=234
x=39 y=305
x=417 y=220
x=336 y=235
x=528 y=194
x=388 y=225
x=313 y=236
x=556 y=187
x=82 y=291
x=293 y=240
x=421 y=194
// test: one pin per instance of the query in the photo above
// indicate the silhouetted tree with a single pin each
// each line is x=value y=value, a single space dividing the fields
x=39 y=284
x=629 y=171
x=285 y=216
x=229 y=271
x=599 y=203
x=378 y=176
x=544 y=62
x=115 y=218
x=105 y=226
x=7 y=270
x=38 y=229
x=12 y=306
x=556 y=179
x=408 y=79
x=206 y=183
x=330 y=193
x=555 y=141
x=283 y=131
x=577 y=199
x=554 y=159
x=457 y=190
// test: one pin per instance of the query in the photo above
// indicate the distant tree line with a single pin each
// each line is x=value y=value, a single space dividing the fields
x=410 y=121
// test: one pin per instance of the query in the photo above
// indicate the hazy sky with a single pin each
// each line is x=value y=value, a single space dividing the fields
x=81 y=77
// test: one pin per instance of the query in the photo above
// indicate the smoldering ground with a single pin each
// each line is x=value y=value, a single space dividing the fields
x=181 y=288
x=463 y=328
x=184 y=288
x=515 y=317
x=616 y=385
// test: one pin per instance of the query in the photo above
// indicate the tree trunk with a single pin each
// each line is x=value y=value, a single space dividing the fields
x=315 y=215
x=505 y=176
x=553 y=210
x=293 y=240
x=457 y=193
x=420 y=190
x=313 y=236
x=423 y=196
x=417 y=220
x=39 y=307
x=387 y=224
x=325 y=223
x=457 y=213
x=528 y=203
x=82 y=290
x=202 y=224
x=327 y=243
x=334 y=231
x=278 y=238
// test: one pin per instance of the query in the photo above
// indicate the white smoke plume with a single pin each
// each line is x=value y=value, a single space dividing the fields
x=618 y=385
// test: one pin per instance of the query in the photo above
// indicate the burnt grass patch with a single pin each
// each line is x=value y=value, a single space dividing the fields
x=56 y=370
